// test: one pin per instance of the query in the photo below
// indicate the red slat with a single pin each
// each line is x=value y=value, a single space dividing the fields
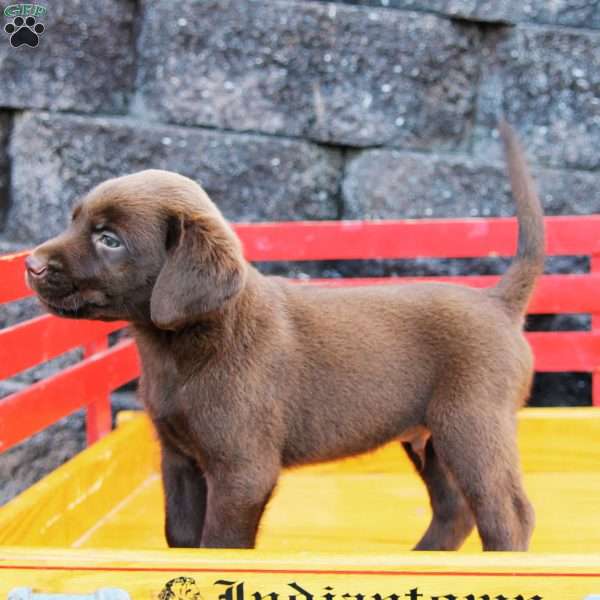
x=440 y=238
x=566 y=351
x=43 y=338
x=31 y=410
x=12 y=277
x=553 y=293
x=98 y=418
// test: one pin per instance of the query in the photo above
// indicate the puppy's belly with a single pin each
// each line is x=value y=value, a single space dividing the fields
x=332 y=438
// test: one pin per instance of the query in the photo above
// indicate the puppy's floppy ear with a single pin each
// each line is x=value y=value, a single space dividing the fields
x=204 y=268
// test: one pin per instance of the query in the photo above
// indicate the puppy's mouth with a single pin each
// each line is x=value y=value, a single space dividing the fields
x=65 y=307
x=72 y=306
x=64 y=311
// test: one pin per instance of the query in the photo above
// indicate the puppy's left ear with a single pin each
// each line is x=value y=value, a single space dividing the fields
x=203 y=270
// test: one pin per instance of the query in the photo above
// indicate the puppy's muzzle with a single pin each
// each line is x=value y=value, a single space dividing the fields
x=46 y=276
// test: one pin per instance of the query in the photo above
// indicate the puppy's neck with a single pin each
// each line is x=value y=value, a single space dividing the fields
x=211 y=332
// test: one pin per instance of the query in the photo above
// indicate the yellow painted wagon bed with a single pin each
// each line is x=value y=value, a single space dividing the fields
x=337 y=531
x=348 y=525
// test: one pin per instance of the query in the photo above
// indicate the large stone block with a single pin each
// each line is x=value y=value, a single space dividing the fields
x=84 y=60
x=547 y=83
x=57 y=158
x=572 y=13
x=332 y=73
x=382 y=184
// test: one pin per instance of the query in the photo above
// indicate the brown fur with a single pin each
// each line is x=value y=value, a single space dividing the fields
x=245 y=374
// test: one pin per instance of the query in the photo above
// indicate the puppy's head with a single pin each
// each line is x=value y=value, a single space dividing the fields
x=145 y=247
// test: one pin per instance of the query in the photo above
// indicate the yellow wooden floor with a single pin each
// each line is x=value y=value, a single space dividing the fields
x=110 y=497
x=313 y=512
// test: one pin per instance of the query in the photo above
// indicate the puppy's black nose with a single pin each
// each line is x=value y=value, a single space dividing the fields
x=35 y=266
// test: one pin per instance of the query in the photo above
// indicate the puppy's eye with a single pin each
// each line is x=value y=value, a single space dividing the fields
x=110 y=240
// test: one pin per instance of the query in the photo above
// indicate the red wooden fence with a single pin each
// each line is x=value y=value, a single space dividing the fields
x=88 y=383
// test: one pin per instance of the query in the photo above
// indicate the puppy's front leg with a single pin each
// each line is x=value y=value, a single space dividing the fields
x=185 y=499
x=236 y=501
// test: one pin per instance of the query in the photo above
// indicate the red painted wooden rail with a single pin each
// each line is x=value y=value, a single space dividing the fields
x=88 y=383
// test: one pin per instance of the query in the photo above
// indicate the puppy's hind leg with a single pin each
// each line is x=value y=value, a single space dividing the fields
x=452 y=520
x=477 y=442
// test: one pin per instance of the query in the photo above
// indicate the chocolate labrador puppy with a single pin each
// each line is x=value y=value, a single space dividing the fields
x=245 y=374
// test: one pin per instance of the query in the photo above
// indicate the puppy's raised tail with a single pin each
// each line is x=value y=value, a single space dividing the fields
x=516 y=286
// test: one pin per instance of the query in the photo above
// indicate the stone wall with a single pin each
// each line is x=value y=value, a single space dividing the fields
x=288 y=109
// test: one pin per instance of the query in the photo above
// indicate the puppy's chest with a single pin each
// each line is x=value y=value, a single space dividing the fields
x=180 y=412
x=163 y=403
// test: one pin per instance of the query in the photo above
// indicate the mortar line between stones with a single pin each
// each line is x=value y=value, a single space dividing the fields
x=133 y=119
x=484 y=35
x=473 y=20
x=136 y=26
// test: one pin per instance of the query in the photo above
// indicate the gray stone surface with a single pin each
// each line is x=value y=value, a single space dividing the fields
x=561 y=389
x=332 y=73
x=19 y=311
x=392 y=184
x=84 y=61
x=547 y=83
x=572 y=13
x=4 y=166
x=57 y=158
